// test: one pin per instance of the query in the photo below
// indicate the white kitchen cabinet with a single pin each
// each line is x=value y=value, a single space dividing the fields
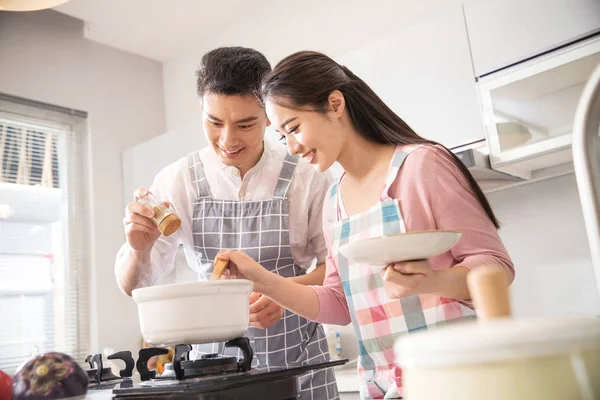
x=424 y=73
x=503 y=32
x=529 y=109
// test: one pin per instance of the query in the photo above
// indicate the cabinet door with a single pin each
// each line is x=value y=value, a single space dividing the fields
x=424 y=74
x=503 y=32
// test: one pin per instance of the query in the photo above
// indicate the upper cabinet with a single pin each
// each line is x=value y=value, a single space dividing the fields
x=424 y=73
x=529 y=109
x=505 y=32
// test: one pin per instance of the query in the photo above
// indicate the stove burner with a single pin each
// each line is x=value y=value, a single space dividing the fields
x=129 y=363
x=209 y=364
x=182 y=367
x=98 y=373
x=142 y=363
x=181 y=352
x=243 y=344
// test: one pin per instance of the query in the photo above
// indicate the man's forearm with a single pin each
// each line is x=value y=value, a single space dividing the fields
x=315 y=277
x=133 y=269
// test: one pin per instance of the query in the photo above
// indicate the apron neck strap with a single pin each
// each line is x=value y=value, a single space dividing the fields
x=198 y=177
x=285 y=176
x=399 y=156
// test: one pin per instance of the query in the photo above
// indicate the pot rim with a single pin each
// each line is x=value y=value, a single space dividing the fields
x=499 y=340
x=192 y=289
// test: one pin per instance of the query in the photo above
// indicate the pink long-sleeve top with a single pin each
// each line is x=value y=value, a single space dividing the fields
x=433 y=195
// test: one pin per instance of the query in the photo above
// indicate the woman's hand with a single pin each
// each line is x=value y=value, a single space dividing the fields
x=242 y=266
x=409 y=278
x=264 y=312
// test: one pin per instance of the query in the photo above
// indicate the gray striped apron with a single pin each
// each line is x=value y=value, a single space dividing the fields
x=261 y=230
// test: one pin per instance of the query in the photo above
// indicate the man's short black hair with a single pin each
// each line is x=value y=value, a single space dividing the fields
x=232 y=71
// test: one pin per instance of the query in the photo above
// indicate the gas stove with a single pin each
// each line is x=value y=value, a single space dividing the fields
x=101 y=377
x=211 y=377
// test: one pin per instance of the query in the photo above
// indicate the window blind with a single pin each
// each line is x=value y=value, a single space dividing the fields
x=44 y=237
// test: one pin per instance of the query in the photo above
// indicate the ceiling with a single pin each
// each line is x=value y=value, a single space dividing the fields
x=163 y=30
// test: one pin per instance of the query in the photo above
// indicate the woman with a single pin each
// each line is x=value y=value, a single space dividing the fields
x=394 y=182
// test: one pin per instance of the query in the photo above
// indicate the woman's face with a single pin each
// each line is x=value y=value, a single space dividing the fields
x=316 y=137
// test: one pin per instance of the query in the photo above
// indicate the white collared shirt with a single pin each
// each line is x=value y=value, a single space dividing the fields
x=306 y=195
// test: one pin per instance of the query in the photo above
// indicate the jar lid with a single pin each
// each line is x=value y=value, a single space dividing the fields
x=497 y=340
x=169 y=224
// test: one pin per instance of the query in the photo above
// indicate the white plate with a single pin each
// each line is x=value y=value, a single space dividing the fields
x=401 y=247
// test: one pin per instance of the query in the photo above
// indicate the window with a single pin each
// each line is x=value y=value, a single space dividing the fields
x=44 y=234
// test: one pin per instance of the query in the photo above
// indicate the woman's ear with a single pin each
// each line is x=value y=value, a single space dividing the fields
x=337 y=103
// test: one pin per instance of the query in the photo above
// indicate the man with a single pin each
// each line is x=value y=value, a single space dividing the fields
x=242 y=192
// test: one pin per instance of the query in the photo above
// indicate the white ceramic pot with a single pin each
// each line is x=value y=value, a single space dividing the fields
x=550 y=359
x=194 y=312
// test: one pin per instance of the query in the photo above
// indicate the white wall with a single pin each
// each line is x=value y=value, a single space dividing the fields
x=45 y=58
x=543 y=230
x=142 y=162
x=334 y=27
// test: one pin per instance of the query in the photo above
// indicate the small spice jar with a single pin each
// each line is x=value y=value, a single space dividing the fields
x=164 y=218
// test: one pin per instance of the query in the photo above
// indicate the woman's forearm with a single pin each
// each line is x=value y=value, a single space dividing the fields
x=315 y=277
x=294 y=296
x=452 y=283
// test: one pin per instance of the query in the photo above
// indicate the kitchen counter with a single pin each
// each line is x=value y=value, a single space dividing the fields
x=99 y=394
x=347 y=379
x=347 y=382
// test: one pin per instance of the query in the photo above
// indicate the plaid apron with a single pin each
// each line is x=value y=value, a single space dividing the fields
x=377 y=319
x=260 y=229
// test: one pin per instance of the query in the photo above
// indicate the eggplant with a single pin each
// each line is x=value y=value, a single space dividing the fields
x=50 y=376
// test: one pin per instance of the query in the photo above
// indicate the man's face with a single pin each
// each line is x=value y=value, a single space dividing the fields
x=235 y=127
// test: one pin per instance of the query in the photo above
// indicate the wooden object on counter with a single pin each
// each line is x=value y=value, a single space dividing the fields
x=489 y=291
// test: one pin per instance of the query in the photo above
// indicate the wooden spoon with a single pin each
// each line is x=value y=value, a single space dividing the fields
x=220 y=266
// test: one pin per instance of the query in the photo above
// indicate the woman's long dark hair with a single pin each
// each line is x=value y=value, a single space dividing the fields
x=307 y=78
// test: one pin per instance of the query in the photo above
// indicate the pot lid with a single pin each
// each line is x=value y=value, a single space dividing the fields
x=497 y=340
